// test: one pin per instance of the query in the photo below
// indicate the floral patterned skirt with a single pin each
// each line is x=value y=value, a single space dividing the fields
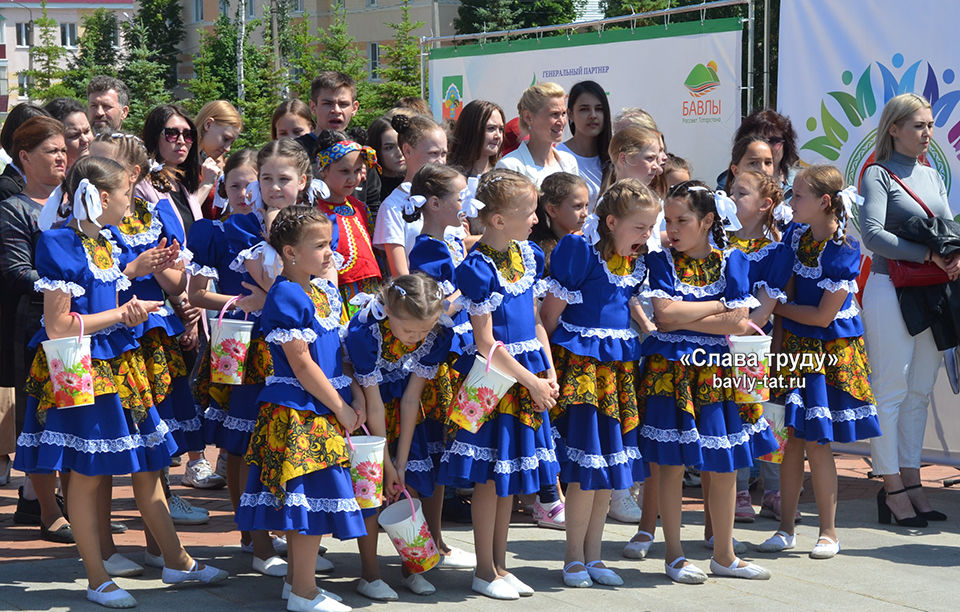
x=232 y=428
x=688 y=420
x=836 y=403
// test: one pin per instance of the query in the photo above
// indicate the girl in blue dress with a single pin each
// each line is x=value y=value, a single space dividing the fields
x=436 y=197
x=597 y=355
x=122 y=433
x=835 y=402
x=299 y=479
x=699 y=294
x=512 y=453
x=395 y=350
x=230 y=411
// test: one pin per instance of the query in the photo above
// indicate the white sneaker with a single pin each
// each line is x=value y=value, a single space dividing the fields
x=624 y=508
x=287 y=589
x=458 y=559
x=738 y=546
x=183 y=513
x=320 y=603
x=378 y=590
x=495 y=589
x=274 y=566
x=199 y=474
x=522 y=588
x=418 y=585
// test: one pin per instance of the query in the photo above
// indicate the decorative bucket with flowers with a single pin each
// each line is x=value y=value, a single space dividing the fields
x=366 y=469
x=404 y=523
x=775 y=414
x=483 y=388
x=229 y=343
x=751 y=377
x=71 y=369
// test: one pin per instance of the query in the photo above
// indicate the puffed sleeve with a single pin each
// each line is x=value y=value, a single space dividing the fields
x=479 y=289
x=432 y=257
x=206 y=239
x=841 y=266
x=172 y=228
x=660 y=276
x=569 y=264
x=243 y=231
x=775 y=272
x=288 y=314
x=737 y=274
x=540 y=264
x=362 y=342
x=60 y=263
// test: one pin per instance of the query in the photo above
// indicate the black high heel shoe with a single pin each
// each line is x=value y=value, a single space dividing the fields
x=884 y=514
x=930 y=515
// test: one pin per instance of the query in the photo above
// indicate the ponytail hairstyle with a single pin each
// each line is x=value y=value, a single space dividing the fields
x=412 y=128
x=767 y=187
x=103 y=173
x=499 y=188
x=291 y=222
x=291 y=150
x=827 y=180
x=237 y=159
x=629 y=140
x=554 y=190
x=130 y=151
x=739 y=150
x=622 y=199
x=698 y=197
x=416 y=296
x=430 y=180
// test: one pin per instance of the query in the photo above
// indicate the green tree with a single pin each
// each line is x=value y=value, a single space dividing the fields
x=143 y=75
x=548 y=12
x=97 y=50
x=487 y=16
x=47 y=61
x=401 y=72
x=158 y=25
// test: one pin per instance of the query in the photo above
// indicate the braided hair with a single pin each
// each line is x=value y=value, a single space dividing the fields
x=826 y=180
x=699 y=198
x=291 y=222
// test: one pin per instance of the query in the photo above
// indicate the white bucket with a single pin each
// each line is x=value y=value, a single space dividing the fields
x=775 y=414
x=366 y=469
x=482 y=389
x=751 y=378
x=229 y=343
x=404 y=523
x=71 y=369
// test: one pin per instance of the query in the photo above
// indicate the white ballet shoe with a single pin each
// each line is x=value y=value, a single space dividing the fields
x=778 y=542
x=495 y=589
x=750 y=571
x=117 y=598
x=418 y=585
x=274 y=566
x=118 y=565
x=523 y=589
x=378 y=590
x=287 y=589
x=825 y=549
x=152 y=560
x=603 y=575
x=458 y=559
x=738 y=546
x=577 y=580
x=207 y=575
x=324 y=566
x=320 y=603
x=638 y=550
x=685 y=574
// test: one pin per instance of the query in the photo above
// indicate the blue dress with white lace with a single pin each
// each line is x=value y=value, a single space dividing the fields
x=690 y=417
x=514 y=448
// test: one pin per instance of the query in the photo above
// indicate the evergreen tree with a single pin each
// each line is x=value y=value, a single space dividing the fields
x=143 y=75
x=401 y=72
x=47 y=61
x=487 y=16
x=158 y=25
x=547 y=12
x=97 y=51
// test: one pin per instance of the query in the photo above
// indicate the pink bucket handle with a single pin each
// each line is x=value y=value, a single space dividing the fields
x=226 y=307
x=493 y=349
x=413 y=509
x=79 y=319
x=365 y=430
x=350 y=442
x=754 y=326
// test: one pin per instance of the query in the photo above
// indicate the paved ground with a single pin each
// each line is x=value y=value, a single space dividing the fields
x=880 y=568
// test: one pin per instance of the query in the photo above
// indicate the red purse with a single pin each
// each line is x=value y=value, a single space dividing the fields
x=910 y=273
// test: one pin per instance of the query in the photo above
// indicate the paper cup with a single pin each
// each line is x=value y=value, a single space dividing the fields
x=750 y=379
x=775 y=414
x=404 y=523
x=482 y=389
x=366 y=469
x=71 y=369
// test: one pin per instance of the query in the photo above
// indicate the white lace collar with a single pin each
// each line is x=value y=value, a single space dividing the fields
x=112 y=274
x=798 y=266
x=149 y=234
x=529 y=277
x=715 y=288
x=629 y=280
x=760 y=253
x=389 y=371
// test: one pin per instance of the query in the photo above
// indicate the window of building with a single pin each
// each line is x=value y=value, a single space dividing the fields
x=68 y=34
x=3 y=30
x=23 y=86
x=198 y=10
x=24 y=35
x=373 y=52
x=3 y=81
x=296 y=6
x=224 y=8
x=371 y=3
x=251 y=9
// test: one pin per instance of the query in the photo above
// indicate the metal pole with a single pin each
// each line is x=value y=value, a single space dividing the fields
x=423 y=69
x=766 y=53
x=750 y=42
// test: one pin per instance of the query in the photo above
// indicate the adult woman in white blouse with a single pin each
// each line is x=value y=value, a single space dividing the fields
x=543 y=115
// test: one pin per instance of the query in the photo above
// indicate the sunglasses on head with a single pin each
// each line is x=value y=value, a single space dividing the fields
x=172 y=134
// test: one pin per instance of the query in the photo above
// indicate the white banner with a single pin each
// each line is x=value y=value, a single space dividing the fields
x=840 y=62
x=687 y=76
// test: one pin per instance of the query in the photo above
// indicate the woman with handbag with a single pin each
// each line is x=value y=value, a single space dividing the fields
x=900 y=186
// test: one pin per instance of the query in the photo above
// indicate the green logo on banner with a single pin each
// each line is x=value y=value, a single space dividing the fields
x=702 y=79
x=452 y=96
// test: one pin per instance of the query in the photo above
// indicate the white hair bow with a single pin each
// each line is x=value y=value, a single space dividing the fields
x=271 y=261
x=369 y=305
x=412 y=203
x=849 y=197
x=469 y=205
x=50 y=213
x=783 y=213
x=727 y=209
x=318 y=190
x=591 y=228
x=253 y=195
x=155 y=166
x=219 y=202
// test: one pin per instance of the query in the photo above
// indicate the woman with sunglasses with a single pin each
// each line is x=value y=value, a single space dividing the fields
x=782 y=138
